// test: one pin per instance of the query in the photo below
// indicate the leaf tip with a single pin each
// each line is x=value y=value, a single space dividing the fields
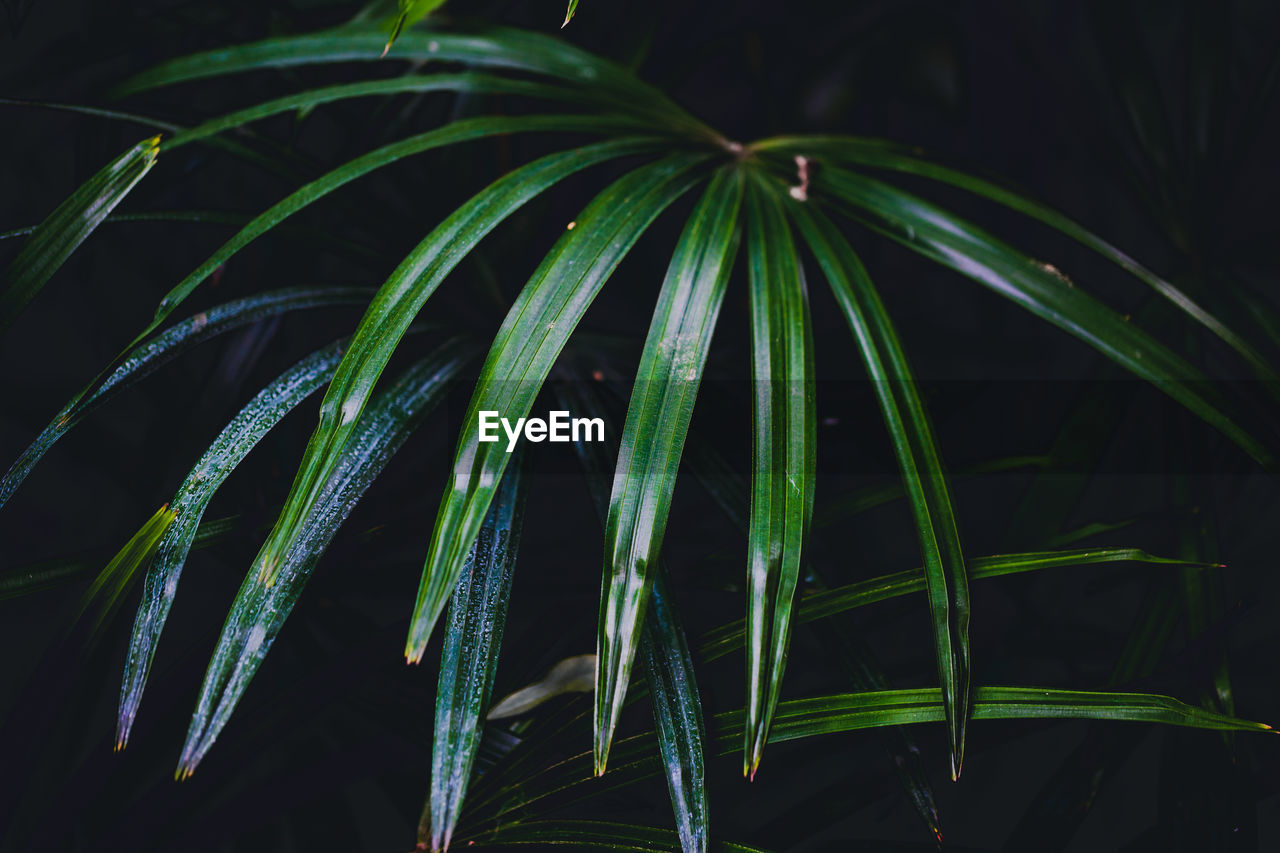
x=600 y=749
x=957 y=746
x=751 y=762
x=395 y=34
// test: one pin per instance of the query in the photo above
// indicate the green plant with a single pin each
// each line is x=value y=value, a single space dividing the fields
x=778 y=207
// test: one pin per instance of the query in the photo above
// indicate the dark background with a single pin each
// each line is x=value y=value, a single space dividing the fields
x=330 y=748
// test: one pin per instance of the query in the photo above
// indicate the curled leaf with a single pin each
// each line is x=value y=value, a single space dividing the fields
x=571 y=675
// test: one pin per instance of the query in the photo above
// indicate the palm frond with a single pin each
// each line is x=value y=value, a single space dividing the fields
x=487 y=47
x=533 y=334
x=260 y=610
x=918 y=459
x=226 y=452
x=1040 y=288
x=783 y=460
x=883 y=154
x=658 y=417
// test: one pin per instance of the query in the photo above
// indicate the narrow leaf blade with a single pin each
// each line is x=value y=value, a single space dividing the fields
x=232 y=445
x=532 y=336
x=1038 y=287
x=677 y=716
x=259 y=611
x=783 y=456
x=483 y=47
x=882 y=154
x=820 y=605
x=850 y=711
x=389 y=315
x=661 y=407
x=918 y=459
x=469 y=660
x=120 y=574
x=466 y=130
x=673 y=687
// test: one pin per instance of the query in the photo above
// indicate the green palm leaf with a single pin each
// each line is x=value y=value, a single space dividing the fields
x=534 y=332
x=491 y=47
x=783 y=454
x=820 y=605
x=568 y=13
x=728 y=490
x=668 y=666
x=109 y=587
x=677 y=716
x=662 y=401
x=70 y=224
x=918 y=459
x=451 y=134
x=799 y=719
x=260 y=610
x=882 y=154
x=411 y=12
x=469 y=660
x=226 y=452
x=469 y=83
x=393 y=309
x=850 y=711
x=144 y=358
x=1040 y=288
